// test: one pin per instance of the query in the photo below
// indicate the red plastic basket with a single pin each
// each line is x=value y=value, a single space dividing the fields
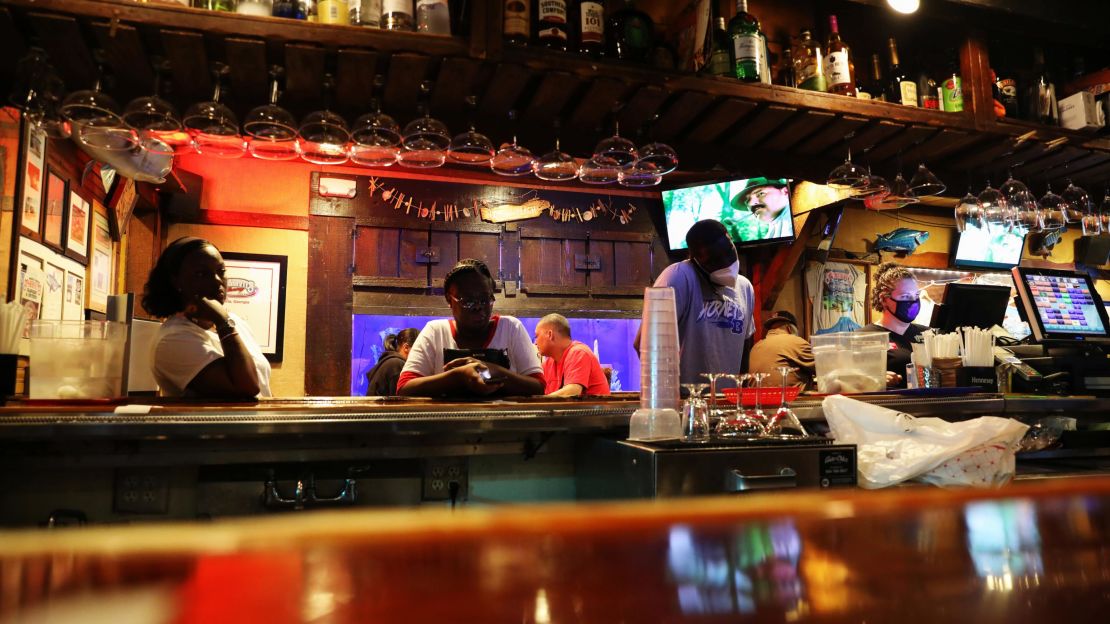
x=767 y=396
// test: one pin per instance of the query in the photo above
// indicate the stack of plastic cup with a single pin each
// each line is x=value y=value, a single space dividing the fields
x=658 y=416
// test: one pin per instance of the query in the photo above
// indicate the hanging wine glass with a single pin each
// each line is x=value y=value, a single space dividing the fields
x=512 y=159
x=151 y=115
x=1053 y=208
x=848 y=175
x=898 y=197
x=876 y=190
x=556 y=165
x=214 y=128
x=617 y=148
x=471 y=147
x=994 y=209
x=424 y=141
x=27 y=87
x=656 y=156
x=599 y=171
x=969 y=212
x=272 y=128
x=925 y=183
x=323 y=135
x=376 y=137
x=95 y=119
x=1091 y=222
x=1077 y=202
x=1104 y=213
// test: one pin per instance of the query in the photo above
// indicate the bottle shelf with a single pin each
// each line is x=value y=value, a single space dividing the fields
x=713 y=122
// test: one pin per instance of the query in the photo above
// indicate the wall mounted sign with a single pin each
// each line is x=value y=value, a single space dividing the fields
x=256 y=292
x=54 y=208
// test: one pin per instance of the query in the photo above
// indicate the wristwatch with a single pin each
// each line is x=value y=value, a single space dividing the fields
x=227 y=327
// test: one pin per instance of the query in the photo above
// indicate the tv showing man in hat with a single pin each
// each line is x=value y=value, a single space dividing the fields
x=761 y=211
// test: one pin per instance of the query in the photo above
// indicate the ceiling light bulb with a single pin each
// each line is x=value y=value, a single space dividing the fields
x=904 y=6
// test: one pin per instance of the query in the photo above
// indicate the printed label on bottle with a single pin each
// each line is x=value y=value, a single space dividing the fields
x=593 y=22
x=555 y=32
x=748 y=49
x=837 y=71
x=371 y=14
x=862 y=95
x=333 y=12
x=719 y=63
x=516 y=18
x=909 y=92
x=397 y=6
x=808 y=72
x=553 y=11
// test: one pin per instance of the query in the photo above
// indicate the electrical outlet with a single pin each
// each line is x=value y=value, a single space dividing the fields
x=142 y=491
x=440 y=473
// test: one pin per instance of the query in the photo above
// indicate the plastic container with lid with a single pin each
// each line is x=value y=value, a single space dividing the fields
x=850 y=362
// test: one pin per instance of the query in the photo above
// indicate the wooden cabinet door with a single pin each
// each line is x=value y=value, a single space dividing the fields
x=547 y=262
x=387 y=257
x=625 y=260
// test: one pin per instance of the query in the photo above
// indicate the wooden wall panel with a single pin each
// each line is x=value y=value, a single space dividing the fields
x=377 y=251
x=633 y=264
x=328 y=357
x=412 y=243
x=449 y=254
x=485 y=247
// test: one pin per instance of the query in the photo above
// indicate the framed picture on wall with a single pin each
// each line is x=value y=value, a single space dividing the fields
x=32 y=284
x=54 y=209
x=53 y=294
x=100 y=264
x=30 y=205
x=121 y=204
x=837 y=294
x=256 y=293
x=73 y=306
x=78 y=222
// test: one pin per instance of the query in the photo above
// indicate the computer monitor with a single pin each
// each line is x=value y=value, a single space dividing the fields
x=971 y=305
x=1061 y=305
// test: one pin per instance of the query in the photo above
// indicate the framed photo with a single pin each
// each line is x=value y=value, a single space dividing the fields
x=54 y=209
x=78 y=222
x=53 y=293
x=100 y=264
x=73 y=306
x=32 y=284
x=30 y=204
x=120 y=206
x=256 y=293
x=837 y=296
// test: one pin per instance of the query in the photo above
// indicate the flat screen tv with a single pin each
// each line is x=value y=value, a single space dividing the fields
x=988 y=249
x=754 y=210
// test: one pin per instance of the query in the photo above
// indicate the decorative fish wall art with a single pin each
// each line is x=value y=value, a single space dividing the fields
x=902 y=241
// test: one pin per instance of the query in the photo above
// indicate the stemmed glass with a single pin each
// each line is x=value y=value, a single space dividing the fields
x=471 y=147
x=1054 y=210
x=1077 y=202
x=93 y=115
x=994 y=209
x=695 y=423
x=714 y=407
x=848 y=175
x=272 y=129
x=925 y=183
x=785 y=421
x=599 y=170
x=424 y=141
x=556 y=165
x=152 y=116
x=376 y=137
x=757 y=411
x=512 y=159
x=323 y=135
x=876 y=190
x=1105 y=212
x=969 y=212
x=743 y=423
x=617 y=148
x=214 y=127
x=898 y=197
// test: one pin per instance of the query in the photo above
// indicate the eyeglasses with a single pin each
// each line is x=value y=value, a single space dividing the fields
x=473 y=304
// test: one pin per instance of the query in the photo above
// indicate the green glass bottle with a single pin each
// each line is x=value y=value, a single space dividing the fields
x=748 y=44
x=227 y=6
x=630 y=34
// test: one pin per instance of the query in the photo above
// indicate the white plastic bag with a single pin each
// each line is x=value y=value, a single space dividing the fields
x=893 y=447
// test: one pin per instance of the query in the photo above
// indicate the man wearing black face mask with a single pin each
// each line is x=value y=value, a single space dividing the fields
x=714 y=305
x=896 y=295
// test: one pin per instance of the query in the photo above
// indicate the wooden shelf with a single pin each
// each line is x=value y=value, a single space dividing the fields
x=713 y=122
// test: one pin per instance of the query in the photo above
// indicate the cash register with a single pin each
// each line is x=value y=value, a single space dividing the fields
x=1070 y=335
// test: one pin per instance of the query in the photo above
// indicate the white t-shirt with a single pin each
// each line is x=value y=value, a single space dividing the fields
x=182 y=349
x=426 y=357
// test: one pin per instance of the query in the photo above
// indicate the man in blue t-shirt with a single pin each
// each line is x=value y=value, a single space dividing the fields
x=713 y=303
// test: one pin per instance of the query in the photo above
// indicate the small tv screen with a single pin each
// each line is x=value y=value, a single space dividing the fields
x=754 y=210
x=988 y=248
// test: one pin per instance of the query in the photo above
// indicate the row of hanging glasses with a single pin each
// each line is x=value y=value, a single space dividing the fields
x=1014 y=208
x=270 y=132
x=879 y=194
x=704 y=418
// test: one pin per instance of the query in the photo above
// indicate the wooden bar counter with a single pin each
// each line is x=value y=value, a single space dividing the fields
x=1029 y=553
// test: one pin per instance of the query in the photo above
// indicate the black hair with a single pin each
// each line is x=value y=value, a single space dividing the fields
x=160 y=298
x=464 y=266
x=404 y=337
x=705 y=233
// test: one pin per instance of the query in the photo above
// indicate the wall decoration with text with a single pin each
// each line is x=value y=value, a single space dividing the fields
x=256 y=293
x=53 y=228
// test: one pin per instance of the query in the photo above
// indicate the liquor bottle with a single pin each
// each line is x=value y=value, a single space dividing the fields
x=367 y=13
x=663 y=55
x=1008 y=95
x=518 y=21
x=397 y=15
x=876 y=86
x=1040 y=93
x=292 y=9
x=786 y=68
x=630 y=32
x=258 y=8
x=333 y=12
x=749 y=48
x=433 y=17
x=720 y=53
x=809 y=64
x=551 y=24
x=226 y=6
x=902 y=89
x=838 y=68
x=951 y=90
x=591 y=28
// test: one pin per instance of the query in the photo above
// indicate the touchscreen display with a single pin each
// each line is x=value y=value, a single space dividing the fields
x=1065 y=305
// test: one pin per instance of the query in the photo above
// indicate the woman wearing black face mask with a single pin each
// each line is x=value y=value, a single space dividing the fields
x=896 y=295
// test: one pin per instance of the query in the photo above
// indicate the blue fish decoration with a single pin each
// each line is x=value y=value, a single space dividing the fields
x=901 y=240
x=1042 y=243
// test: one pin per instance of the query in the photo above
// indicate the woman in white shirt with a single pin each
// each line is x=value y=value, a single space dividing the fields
x=476 y=352
x=201 y=350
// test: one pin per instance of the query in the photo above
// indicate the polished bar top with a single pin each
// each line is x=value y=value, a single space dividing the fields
x=1029 y=553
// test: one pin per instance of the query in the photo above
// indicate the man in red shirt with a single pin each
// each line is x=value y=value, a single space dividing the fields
x=570 y=368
